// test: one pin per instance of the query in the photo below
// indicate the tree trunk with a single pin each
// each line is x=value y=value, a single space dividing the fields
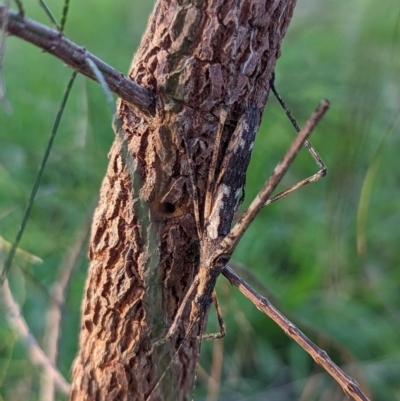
x=173 y=184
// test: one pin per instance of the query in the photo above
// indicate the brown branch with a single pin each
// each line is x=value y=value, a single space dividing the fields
x=322 y=336
x=75 y=57
x=349 y=385
x=36 y=354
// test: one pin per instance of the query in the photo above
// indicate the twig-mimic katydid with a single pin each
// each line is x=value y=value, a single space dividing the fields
x=215 y=258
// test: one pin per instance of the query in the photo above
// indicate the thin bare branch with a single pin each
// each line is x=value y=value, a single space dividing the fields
x=323 y=337
x=75 y=56
x=349 y=385
x=36 y=354
x=229 y=243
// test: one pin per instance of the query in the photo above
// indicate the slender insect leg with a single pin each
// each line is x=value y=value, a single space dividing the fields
x=222 y=329
x=172 y=329
x=213 y=336
x=213 y=166
x=175 y=323
x=195 y=195
x=322 y=167
x=178 y=316
x=157 y=385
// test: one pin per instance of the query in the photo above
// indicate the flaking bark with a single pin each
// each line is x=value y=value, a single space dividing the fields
x=209 y=64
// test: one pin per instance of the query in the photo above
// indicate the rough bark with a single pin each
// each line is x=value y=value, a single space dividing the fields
x=209 y=63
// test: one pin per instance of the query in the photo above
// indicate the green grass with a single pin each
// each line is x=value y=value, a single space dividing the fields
x=328 y=254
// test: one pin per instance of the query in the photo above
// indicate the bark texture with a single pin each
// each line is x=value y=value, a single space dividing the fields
x=173 y=184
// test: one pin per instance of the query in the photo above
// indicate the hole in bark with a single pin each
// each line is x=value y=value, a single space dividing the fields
x=167 y=208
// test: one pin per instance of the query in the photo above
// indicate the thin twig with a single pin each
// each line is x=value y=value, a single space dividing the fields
x=322 y=336
x=229 y=243
x=36 y=354
x=75 y=56
x=349 y=385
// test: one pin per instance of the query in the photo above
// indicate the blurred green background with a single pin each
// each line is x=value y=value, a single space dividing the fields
x=328 y=255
